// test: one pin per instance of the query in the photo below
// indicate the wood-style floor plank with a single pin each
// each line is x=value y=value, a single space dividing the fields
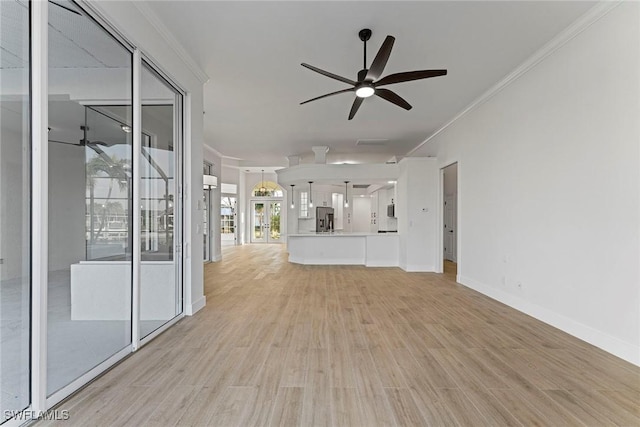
x=281 y=344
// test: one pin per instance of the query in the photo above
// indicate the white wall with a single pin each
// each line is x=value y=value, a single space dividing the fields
x=416 y=212
x=549 y=187
x=143 y=30
x=450 y=178
x=230 y=175
x=214 y=216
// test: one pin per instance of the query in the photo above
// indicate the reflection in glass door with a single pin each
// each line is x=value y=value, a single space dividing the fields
x=89 y=198
x=265 y=221
x=160 y=240
x=15 y=280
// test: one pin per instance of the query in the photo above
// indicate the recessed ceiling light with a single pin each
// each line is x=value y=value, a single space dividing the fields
x=126 y=128
x=391 y=182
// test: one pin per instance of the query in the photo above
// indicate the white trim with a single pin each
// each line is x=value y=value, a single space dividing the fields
x=440 y=222
x=136 y=182
x=196 y=306
x=418 y=268
x=606 y=342
x=39 y=206
x=173 y=43
x=83 y=380
x=581 y=24
x=94 y=11
x=187 y=206
x=178 y=228
x=440 y=217
x=219 y=154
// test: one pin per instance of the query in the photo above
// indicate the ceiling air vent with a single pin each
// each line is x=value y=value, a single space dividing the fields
x=361 y=185
x=371 y=142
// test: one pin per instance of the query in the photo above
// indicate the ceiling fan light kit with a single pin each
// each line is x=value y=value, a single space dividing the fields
x=369 y=82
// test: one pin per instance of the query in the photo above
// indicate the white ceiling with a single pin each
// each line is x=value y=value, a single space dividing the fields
x=252 y=51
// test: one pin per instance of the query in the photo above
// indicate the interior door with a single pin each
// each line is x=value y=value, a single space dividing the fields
x=450 y=222
x=265 y=221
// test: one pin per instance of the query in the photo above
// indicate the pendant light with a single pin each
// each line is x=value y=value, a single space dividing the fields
x=310 y=196
x=262 y=191
x=293 y=205
x=346 y=199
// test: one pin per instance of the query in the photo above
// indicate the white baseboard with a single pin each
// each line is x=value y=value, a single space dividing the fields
x=606 y=342
x=381 y=264
x=196 y=306
x=418 y=268
x=217 y=258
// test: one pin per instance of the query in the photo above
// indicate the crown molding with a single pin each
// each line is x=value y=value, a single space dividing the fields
x=173 y=43
x=214 y=151
x=581 y=24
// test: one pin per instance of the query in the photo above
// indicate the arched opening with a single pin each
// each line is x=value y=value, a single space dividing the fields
x=267 y=189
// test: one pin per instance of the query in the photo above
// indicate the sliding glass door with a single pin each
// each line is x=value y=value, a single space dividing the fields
x=14 y=208
x=90 y=205
x=160 y=284
x=90 y=195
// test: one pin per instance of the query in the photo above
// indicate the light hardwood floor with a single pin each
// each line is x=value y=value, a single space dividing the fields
x=288 y=345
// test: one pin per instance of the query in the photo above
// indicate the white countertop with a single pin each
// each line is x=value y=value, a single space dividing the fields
x=342 y=234
x=340 y=248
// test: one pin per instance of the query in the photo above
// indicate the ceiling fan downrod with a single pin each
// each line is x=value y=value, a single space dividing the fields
x=365 y=35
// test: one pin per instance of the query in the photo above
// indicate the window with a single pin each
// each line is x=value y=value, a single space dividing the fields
x=304 y=204
x=227 y=216
x=267 y=189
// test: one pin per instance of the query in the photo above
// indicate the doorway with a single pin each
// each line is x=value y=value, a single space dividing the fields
x=266 y=221
x=450 y=217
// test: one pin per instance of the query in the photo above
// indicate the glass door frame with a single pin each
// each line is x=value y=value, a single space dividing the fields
x=39 y=24
x=268 y=207
x=178 y=210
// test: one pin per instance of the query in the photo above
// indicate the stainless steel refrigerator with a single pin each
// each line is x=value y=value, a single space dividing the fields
x=324 y=219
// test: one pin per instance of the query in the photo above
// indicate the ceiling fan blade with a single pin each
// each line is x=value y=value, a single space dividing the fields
x=329 y=94
x=354 y=108
x=328 y=74
x=393 y=97
x=380 y=61
x=408 y=76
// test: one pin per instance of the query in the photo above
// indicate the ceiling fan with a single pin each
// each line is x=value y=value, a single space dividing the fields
x=369 y=82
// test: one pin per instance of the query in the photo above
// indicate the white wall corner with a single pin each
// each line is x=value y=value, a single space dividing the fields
x=418 y=268
x=196 y=306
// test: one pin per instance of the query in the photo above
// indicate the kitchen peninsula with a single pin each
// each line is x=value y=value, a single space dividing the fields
x=343 y=248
